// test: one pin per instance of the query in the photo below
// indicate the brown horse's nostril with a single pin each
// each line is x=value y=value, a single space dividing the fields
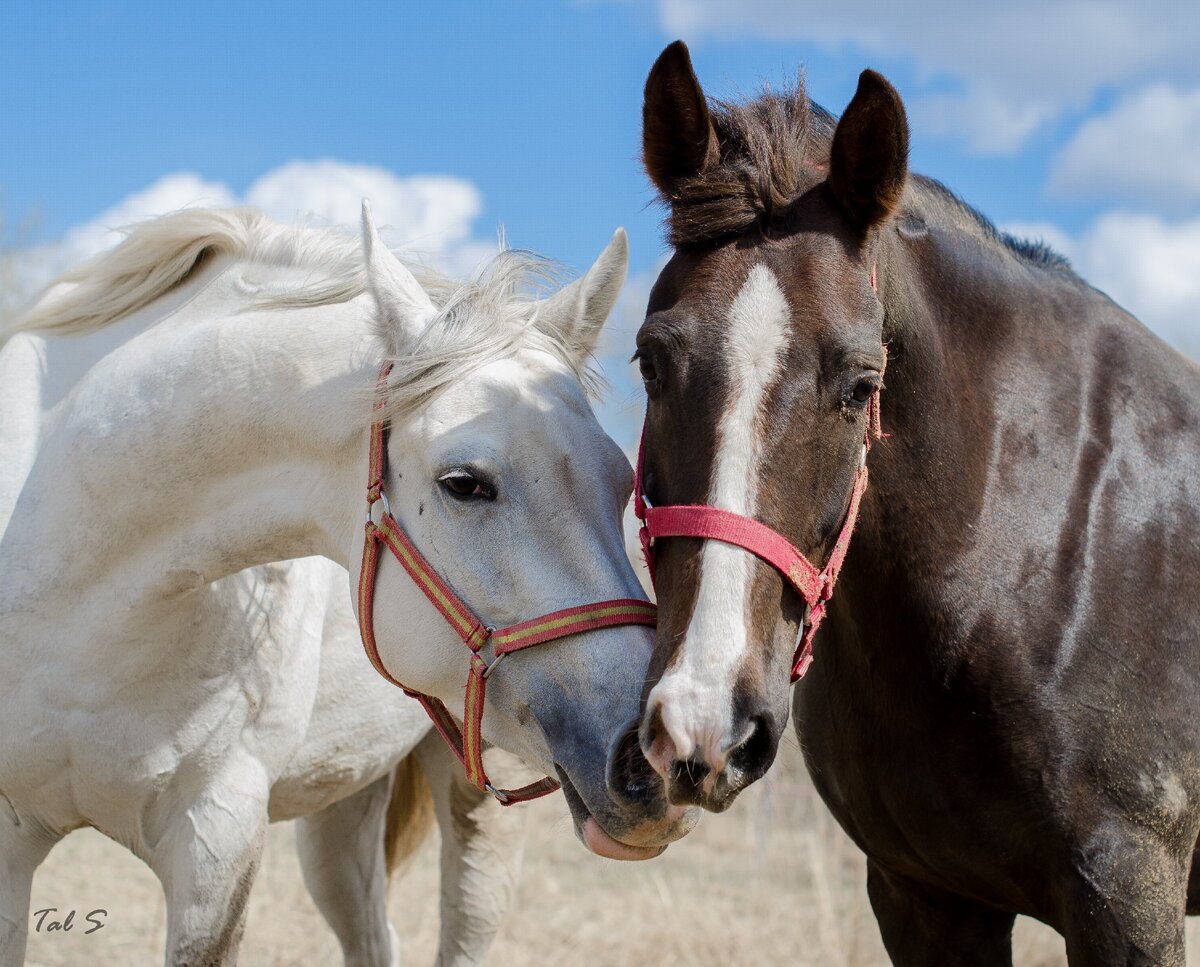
x=756 y=746
x=694 y=781
x=754 y=754
x=690 y=781
x=656 y=743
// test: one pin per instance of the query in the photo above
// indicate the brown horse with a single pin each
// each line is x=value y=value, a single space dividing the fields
x=1004 y=708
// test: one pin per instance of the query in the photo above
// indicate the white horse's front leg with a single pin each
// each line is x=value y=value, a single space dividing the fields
x=207 y=861
x=341 y=852
x=23 y=846
x=483 y=845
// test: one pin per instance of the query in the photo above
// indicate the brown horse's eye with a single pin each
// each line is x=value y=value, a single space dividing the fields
x=862 y=392
x=647 y=369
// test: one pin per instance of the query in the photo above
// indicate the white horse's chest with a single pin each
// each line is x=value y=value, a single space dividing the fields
x=360 y=726
x=103 y=728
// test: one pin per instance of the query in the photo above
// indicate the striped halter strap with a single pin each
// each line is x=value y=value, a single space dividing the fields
x=466 y=742
x=814 y=585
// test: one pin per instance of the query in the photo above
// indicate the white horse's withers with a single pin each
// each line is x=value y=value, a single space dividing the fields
x=196 y=403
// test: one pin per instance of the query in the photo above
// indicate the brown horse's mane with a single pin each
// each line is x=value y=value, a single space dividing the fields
x=773 y=149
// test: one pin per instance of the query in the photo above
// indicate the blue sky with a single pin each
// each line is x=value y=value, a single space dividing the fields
x=1076 y=121
x=537 y=104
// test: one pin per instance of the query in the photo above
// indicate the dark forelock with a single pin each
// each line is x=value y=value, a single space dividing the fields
x=772 y=150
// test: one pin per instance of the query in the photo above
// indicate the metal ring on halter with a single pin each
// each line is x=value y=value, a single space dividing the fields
x=387 y=507
x=496 y=659
x=803 y=622
x=498 y=793
x=487 y=672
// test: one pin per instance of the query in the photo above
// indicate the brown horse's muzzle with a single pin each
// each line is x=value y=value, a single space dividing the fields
x=709 y=777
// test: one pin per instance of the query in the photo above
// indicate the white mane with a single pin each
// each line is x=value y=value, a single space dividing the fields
x=490 y=317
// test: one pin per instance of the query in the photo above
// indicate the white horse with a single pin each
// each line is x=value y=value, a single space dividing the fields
x=196 y=403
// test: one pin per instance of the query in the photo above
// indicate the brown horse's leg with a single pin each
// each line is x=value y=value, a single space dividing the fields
x=1126 y=905
x=923 y=927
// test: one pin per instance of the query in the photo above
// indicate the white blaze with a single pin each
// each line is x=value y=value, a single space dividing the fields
x=695 y=695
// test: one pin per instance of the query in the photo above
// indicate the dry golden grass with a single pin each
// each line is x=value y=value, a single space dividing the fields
x=774 y=880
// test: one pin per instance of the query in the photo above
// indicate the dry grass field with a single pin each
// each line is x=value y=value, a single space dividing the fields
x=772 y=881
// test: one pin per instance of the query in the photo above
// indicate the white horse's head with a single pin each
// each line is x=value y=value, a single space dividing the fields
x=501 y=475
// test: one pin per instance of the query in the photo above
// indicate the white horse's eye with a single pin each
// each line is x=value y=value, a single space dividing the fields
x=465 y=485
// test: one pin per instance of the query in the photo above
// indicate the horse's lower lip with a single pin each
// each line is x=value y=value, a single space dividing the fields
x=600 y=843
x=595 y=837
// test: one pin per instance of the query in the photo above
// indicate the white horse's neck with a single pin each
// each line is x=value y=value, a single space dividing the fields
x=218 y=439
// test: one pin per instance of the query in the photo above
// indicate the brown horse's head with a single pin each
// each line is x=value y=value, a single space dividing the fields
x=761 y=350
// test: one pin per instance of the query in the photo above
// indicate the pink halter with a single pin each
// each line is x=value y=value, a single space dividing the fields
x=711 y=523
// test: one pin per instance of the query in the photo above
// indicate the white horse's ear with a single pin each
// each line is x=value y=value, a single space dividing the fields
x=404 y=304
x=579 y=310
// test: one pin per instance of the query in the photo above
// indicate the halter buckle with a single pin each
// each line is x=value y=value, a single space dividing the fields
x=500 y=795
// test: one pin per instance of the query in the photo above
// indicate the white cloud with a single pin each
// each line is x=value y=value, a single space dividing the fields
x=1144 y=150
x=990 y=122
x=1148 y=265
x=1152 y=268
x=1014 y=65
x=428 y=214
x=431 y=213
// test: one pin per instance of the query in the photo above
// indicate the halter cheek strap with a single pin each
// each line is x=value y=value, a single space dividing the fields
x=465 y=742
x=814 y=585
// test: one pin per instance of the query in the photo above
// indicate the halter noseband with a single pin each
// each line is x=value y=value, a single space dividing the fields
x=467 y=742
x=814 y=585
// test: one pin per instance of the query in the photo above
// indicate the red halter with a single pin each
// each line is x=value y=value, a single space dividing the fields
x=711 y=523
x=467 y=742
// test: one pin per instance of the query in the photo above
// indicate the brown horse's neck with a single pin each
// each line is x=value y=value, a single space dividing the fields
x=955 y=306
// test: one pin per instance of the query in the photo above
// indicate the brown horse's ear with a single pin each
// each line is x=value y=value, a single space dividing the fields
x=677 y=135
x=869 y=158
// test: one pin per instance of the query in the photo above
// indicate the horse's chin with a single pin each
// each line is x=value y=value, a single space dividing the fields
x=599 y=840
